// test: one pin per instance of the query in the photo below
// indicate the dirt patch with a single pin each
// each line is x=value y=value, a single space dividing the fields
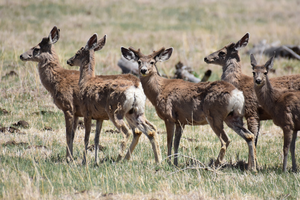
x=4 y=111
x=11 y=130
x=22 y=124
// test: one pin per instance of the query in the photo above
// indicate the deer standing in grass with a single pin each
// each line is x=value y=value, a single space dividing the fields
x=112 y=97
x=228 y=57
x=180 y=103
x=61 y=83
x=283 y=105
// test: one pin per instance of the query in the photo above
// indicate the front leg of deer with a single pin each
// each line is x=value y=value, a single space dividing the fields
x=288 y=135
x=170 y=133
x=69 y=134
x=292 y=149
x=96 y=140
x=253 y=124
x=87 y=124
x=178 y=133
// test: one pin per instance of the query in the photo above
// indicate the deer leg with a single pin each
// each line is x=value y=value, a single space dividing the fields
x=218 y=128
x=75 y=123
x=292 y=149
x=286 y=145
x=144 y=126
x=170 y=133
x=136 y=136
x=69 y=132
x=236 y=123
x=87 y=124
x=178 y=133
x=253 y=124
x=96 y=140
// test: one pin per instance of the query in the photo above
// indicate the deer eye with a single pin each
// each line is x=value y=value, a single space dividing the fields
x=221 y=53
x=265 y=73
x=36 y=51
x=253 y=73
x=139 y=62
x=152 y=63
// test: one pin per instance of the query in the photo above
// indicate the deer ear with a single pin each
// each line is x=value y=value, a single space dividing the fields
x=269 y=63
x=165 y=55
x=100 y=44
x=54 y=35
x=92 y=42
x=128 y=54
x=242 y=42
x=253 y=61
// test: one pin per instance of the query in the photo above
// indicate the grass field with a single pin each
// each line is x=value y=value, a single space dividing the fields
x=32 y=162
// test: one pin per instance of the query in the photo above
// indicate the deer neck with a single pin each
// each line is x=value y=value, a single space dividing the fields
x=152 y=86
x=87 y=68
x=266 y=96
x=48 y=69
x=232 y=71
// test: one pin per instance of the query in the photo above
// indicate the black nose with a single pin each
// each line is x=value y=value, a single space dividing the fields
x=143 y=71
x=68 y=62
x=21 y=56
x=205 y=59
x=258 y=81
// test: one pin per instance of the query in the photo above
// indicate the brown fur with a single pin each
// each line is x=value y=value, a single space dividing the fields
x=181 y=103
x=228 y=57
x=105 y=97
x=61 y=83
x=283 y=105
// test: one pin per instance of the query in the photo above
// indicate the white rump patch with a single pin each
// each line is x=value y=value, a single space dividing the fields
x=135 y=98
x=236 y=102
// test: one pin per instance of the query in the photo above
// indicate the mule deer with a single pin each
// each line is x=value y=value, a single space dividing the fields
x=228 y=57
x=283 y=105
x=112 y=97
x=180 y=103
x=61 y=83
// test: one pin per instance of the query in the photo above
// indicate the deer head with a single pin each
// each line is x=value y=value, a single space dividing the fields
x=40 y=52
x=230 y=51
x=147 y=64
x=82 y=55
x=260 y=72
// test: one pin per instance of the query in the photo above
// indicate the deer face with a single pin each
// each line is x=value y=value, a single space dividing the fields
x=221 y=56
x=81 y=56
x=260 y=72
x=147 y=64
x=41 y=52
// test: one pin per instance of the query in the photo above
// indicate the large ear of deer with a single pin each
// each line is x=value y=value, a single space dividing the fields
x=54 y=35
x=242 y=42
x=165 y=55
x=128 y=54
x=92 y=42
x=100 y=44
x=269 y=63
x=253 y=61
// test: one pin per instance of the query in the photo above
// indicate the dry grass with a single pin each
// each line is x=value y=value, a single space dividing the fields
x=195 y=29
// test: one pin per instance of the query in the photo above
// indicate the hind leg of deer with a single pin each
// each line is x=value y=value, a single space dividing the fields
x=135 y=140
x=96 y=140
x=253 y=124
x=170 y=133
x=292 y=149
x=236 y=123
x=288 y=135
x=218 y=128
x=87 y=124
x=178 y=133
x=142 y=125
x=69 y=133
x=118 y=121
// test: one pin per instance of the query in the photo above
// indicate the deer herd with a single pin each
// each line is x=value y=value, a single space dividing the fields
x=177 y=102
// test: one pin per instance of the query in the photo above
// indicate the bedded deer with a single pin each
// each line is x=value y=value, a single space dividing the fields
x=282 y=104
x=112 y=97
x=228 y=57
x=180 y=103
x=61 y=83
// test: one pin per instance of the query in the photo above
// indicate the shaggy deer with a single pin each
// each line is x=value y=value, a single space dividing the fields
x=282 y=104
x=112 y=97
x=61 y=83
x=228 y=57
x=181 y=103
